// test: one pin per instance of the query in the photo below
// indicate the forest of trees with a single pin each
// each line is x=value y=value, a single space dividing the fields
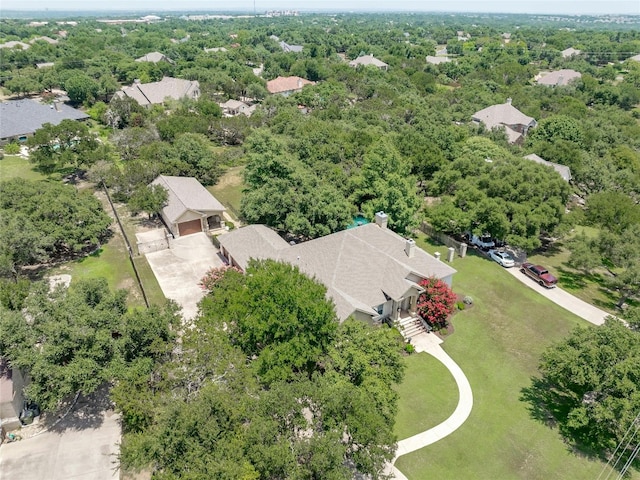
x=360 y=140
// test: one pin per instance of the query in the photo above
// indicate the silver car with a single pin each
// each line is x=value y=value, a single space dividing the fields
x=503 y=258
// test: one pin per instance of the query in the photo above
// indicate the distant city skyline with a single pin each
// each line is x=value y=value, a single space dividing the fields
x=573 y=7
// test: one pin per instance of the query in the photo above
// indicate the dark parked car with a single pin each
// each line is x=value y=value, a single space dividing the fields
x=539 y=274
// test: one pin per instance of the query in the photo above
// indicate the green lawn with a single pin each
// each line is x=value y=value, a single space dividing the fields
x=12 y=166
x=429 y=395
x=497 y=343
x=229 y=189
x=589 y=288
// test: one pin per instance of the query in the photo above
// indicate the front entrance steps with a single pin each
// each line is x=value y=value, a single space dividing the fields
x=411 y=326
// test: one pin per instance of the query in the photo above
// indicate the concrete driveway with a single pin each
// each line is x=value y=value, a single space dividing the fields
x=84 y=445
x=563 y=298
x=180 y=268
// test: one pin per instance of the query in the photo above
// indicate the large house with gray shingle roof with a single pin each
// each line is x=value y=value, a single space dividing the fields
x=559 y=78
x=563 y=170
x=371 y=273
x=515 y=123
x=19 y=119
x=190 y=207
x=155 y=93
x=368 y=60
x=155 y=57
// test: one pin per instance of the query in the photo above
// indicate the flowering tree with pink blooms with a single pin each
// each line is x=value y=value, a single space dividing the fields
x=213 y=276
x=436 y=303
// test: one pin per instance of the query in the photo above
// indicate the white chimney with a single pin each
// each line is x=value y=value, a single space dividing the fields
x=437 y=255
x=299 y=83
x=381 y=219
x=410 y=247
x=509 y=101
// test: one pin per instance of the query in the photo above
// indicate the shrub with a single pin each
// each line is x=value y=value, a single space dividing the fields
x=468 y=300
x=229 y=224
x=12 y=149
x=213 y=276
x=409 y=348
x=436 y=303
x=460 y=305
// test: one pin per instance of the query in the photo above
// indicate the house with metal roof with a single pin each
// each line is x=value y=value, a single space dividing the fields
x=155 y=93
x=563 y=170
x=559 y=78
x=21 y=118
x=371 y=273
x=368 y=60
x=290 y=48
x=515 y=123
x=190 y=207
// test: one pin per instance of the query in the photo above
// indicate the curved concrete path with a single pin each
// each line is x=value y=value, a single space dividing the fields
x=430 y=343
x=563 y=298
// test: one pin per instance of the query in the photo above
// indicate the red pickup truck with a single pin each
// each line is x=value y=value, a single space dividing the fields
x=539 y=274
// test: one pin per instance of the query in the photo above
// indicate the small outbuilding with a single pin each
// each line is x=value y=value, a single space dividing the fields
x=190 y=207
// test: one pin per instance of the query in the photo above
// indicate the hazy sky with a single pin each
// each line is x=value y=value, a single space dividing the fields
x=506 y=6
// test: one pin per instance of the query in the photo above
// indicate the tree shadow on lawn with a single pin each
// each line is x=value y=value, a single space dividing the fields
x=549 y=249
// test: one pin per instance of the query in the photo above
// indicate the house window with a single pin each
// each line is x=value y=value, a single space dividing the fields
x=380 y=309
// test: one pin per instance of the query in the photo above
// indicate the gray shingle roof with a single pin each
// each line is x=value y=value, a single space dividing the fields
x=154 y=57
x=155 y=92
x=186 y=193
x=361 y=267
x=563 y=170
x=367 y=60
x=559 y=78
x=23 y=117
x=502 y=114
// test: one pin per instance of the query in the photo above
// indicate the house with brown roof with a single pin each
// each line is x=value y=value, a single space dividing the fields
x=506 y=116
x=155 y=93
x=563 y=170
x=368 y=60
x=370 y=272
x=559 y=78
x=287 y=85
x=190 y=207
x=155 y=57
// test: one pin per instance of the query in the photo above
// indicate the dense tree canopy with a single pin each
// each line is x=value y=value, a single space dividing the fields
x=73 y=340
x=271 y=387
x=591 y=385
x=45 y=221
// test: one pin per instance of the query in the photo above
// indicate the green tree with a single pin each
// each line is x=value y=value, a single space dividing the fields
x=81 y=88
x=148 y=198
x=590 y=384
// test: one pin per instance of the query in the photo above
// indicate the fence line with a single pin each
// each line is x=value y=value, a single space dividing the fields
x=441 y=237
x=129 y=249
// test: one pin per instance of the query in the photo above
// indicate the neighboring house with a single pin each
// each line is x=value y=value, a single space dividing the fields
x=44 y=65
x=21 y=118
x=635 y=58
x=563 y=170
x=155 y=57
x=570 y=52
x=215 y=49
x=11 y=400
x=154 y=93
x=370 y=272
x=290 y=48
x=287 y=85
x=49 y=40
x=437 y=60
x=559 y=78
x=515 y=123
x=441 y=50
x=190 y=207
x=231 y=108
x=14 y=44
x=367 y=60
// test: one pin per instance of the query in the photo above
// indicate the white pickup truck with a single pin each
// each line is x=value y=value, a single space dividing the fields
x=484 y=242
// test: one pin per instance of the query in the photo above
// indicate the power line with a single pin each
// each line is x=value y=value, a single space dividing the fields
x=618 y=448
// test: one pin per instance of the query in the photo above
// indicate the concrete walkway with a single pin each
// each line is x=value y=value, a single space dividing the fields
x=430 y=343
x=564 y=299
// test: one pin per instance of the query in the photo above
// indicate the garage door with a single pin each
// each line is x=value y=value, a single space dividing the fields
x=187 y=228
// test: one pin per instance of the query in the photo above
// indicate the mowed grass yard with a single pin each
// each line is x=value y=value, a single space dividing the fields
x=14 y=166
x=229 y=189
x=497 y=343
